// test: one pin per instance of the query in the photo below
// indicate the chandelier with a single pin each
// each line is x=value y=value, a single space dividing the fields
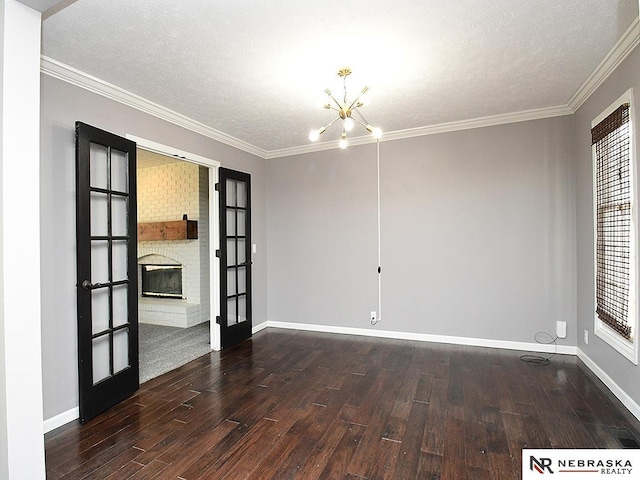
x=345 y=110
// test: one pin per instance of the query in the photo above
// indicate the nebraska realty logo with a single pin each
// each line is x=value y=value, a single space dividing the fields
x=580 y=463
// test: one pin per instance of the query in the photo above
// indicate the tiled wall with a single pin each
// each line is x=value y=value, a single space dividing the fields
x=165 y=193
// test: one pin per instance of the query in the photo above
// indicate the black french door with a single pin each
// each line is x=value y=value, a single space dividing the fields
x=235 y=256
x=107 y=281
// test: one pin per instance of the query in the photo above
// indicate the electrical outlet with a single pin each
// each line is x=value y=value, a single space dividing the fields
x=373 y=316
x=561 y=329
x=586 y=336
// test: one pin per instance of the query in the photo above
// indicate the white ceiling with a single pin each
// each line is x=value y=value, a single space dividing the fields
x=256 y=70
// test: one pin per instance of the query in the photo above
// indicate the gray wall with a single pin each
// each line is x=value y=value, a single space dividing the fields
x=477 y=234
x=486 y=233
x=62 y=105
x=627 y=75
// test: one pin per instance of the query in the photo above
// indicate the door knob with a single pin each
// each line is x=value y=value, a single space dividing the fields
x=87 y=285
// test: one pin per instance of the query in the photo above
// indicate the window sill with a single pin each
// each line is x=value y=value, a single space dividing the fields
x=626 y=348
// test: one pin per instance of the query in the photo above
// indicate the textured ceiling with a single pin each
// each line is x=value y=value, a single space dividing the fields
x=256 y=69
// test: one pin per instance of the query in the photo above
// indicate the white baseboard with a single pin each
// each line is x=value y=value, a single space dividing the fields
x=261 y=326
x=626 y=400
x=61 y=419
x=424 y=337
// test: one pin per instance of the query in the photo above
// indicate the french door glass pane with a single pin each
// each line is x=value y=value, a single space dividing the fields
x=242 y=309
x=99 y=261
x=120 y=304
x=231 y=222
x=99 y=214
x=99 y=310
x=119 y=171
x=241 y=223
x=242 y=280
x=241 y=190
x=231 y=252
x=242 y=254
x=231 y=311
x=231 y=281
x=119 y=220
x=231 y=193
x=100 y=356
x=119 y=259
x=98 y=166
x=120 y=350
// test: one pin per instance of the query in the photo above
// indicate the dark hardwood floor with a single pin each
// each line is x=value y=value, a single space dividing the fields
x=307 y=406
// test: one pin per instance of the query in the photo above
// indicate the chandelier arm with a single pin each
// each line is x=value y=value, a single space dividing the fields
x=355 y=105
x=329 y=124
x=356 y=102
x=376 y=132
x=334 y=99
x=361 y=122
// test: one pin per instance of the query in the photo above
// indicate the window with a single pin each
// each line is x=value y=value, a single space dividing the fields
x=615 y=227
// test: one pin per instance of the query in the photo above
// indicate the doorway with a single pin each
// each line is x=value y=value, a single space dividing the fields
x=173 y=269
x=180 y=300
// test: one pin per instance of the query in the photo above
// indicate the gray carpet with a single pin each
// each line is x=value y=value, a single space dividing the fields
x=163 y=349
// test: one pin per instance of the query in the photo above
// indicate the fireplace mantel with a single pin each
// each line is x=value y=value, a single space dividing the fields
x=173 y=230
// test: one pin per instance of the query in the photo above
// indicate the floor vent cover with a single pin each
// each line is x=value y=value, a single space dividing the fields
x=625 y=437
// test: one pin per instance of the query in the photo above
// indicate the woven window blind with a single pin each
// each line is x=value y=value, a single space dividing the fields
x=613 y=224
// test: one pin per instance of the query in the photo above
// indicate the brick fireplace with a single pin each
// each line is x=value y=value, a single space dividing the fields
x=166 y=192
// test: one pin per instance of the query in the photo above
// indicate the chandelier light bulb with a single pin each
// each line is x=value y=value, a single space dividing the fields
x=343 y=143
x=375 y=131
x=314 y=135
x=348 y=124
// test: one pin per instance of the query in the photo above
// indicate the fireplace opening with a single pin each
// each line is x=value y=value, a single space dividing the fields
x=162 y=281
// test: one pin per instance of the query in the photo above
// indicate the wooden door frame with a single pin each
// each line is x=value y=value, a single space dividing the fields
x=214 y=224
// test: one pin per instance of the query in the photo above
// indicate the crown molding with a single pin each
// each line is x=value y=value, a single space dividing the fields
x=623 y=47
x=318 y=147
x=489 y=121
x=493 y=120
x=71 y=75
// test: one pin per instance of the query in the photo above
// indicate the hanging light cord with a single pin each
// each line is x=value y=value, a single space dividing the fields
x=379 y=317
